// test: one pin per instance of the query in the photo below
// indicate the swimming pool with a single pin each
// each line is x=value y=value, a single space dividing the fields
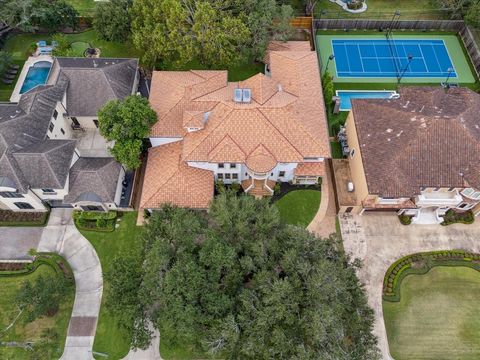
x=347 y=95
x=37 y=75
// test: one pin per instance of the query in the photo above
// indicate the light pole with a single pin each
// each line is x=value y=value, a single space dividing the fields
x=331 y=57
x=395 y=14
x=450 y=71
x=410 y=58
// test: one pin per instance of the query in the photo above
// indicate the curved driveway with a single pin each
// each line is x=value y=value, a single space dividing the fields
x=62 y=237
x=378 y=239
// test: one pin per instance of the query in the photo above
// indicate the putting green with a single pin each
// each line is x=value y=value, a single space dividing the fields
x=437 y=317
x=457 y=56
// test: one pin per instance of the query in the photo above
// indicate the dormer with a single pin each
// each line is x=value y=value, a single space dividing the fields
x=195 y=120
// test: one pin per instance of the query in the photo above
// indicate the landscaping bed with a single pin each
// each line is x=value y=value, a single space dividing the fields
x=14 y=218
x=95 y=220
x=421 y=263
x=452 y=217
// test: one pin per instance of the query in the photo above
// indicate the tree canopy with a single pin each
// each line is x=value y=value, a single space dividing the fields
x=27 y=15
x=217 y=33
x=127 y=122
x=112 y=19
x=238 y=283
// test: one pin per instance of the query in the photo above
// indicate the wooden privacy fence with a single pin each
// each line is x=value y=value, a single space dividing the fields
x=472 y=47
x=302 y=22
x=366 y=24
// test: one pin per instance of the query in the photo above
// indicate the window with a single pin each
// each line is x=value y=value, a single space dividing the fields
x=221 y=165
x=471 y=193
x=75 y=121
x=227 y=176
x=10 y=194
x=92 y=208
x=352 y=153
x=220 y=176
x=51 y=126
x=235 y=176
x=62 y=131
x=451 y=189
x=281 y=173
x=462 y=205
x=233 y=166
x=436 y=189
x=95 y=121
x=55 y=114
x=49 y=192
x=23 y=205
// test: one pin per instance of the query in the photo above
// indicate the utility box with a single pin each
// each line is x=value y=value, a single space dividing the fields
x=336 y=104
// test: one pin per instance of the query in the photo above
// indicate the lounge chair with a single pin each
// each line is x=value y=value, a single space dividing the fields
x=12 y=72
x=42 y=43
x=7 y=81
x=8 y=76
x=14 y=67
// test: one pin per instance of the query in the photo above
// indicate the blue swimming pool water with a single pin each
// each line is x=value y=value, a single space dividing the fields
x=347 y=96
x=388 y=58
x=36 y=75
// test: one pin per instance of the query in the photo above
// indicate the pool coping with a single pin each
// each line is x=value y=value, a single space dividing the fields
x=15 y=97
x=393 y=93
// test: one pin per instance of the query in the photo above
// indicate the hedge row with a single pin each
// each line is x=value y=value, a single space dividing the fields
x=95 y=220
x=95 y=215
x=452 y=217
x=421 y=263
x=56 y=262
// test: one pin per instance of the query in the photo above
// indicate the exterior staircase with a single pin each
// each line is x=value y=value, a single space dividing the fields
x=259 y=189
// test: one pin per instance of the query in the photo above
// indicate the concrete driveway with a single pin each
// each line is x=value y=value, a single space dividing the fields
x=378 y=239
x=15 y=242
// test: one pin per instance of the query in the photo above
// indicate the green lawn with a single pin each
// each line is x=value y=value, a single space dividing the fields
x=22 y=332
x=336 y=150
x=111 y=339
x=84 y=7
x=299 y=207
x=437 y=317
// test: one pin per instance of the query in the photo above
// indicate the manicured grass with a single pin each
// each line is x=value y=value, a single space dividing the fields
x=110 y=338
x=437 y=316
x=22 y=332
x=84 y=7
x=299 y=207
x=336 y=150
x=335 y=121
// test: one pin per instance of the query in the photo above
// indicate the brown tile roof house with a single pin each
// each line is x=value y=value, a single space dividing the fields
x=283 y=123
x=427 y=138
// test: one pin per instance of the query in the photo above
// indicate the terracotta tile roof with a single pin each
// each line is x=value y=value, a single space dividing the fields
x=426 y=138
x=170 y=180
x=286 y=46
x=260 y=160
x=263 y=87
x=193 y=119
x=310 y=169
x=227 y=151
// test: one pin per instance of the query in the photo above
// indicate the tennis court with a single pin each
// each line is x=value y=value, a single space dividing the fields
x=390 y=58
x=369 y=58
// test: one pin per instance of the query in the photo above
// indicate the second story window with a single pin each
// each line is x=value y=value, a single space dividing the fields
x=55 y=114
x=221 y=165
x=233 y=166
x=281 y=173
x=51 y=127
x=10 y=194
x=49 y=192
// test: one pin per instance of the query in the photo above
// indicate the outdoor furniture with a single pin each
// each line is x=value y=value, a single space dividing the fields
x=8 y=76
x=7 y=81
x=54 y=43
x=12 y=72
x=14 y=67
x=42 y=43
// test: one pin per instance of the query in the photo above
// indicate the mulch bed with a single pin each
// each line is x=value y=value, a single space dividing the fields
x=14 y=216
x=12 y=266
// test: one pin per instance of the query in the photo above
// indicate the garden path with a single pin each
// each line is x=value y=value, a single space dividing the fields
x=378 y=239
x=62 y=237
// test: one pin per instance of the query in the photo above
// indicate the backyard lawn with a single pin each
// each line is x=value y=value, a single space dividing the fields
x=437 y=317
x=84 y=7
x=299 y=207
x=111 y=339
x=22 y=332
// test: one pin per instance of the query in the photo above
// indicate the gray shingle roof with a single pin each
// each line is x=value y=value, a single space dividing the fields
x=53 y=157
x=97 y=176
x=426 y=138
x=93 y=82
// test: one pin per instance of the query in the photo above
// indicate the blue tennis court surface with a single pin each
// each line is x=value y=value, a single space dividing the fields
x=389 y=58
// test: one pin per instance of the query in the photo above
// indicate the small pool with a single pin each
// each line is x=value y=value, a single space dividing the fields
x=347 y=95
x=37 y=75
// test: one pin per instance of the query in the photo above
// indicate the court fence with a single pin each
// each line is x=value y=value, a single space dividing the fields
x=457 y=26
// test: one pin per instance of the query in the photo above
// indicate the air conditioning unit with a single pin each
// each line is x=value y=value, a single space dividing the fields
x=350 y=186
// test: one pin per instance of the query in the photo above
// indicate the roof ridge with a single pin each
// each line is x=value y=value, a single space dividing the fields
x=221 y=141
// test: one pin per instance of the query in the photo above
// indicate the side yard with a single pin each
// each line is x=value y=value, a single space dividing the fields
x=110 y=338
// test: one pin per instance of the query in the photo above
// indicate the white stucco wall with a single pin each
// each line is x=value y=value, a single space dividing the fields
x=155 y=141
x=29 y=197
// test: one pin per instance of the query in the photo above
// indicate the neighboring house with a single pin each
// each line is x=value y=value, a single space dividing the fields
x=50 y=148
x=418 y=155
x=266 y=129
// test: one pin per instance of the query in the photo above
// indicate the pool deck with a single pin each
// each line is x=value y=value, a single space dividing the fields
x=30 y=61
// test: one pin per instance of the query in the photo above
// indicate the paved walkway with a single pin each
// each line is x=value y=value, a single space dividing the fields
x=323 y=224
x=378 y=239
x=62 y=237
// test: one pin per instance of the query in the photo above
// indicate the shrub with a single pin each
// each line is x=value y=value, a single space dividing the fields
x=277 y=188
x=452 y=217
x=102 y=223
x=405 y=219
x=220 y=186
x=235 y=187
x=354 y=4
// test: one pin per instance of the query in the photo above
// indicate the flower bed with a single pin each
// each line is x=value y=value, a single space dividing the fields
x=421 y=263
x=452 y=217
x=95 y=220
x=23 y=218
